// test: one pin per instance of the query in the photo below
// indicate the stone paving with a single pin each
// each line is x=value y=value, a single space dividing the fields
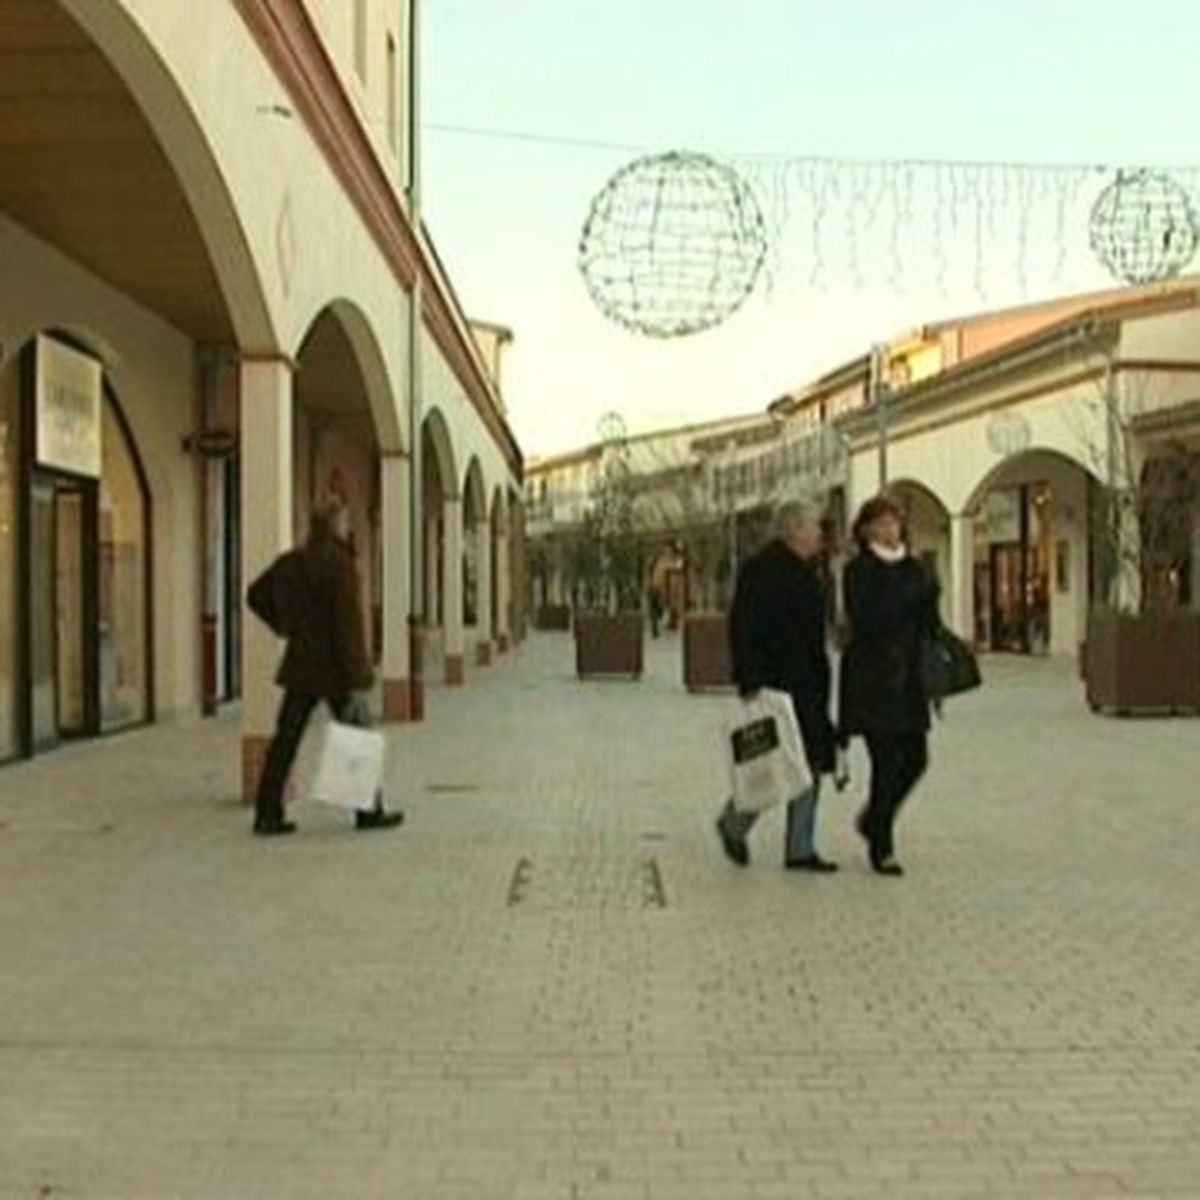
x=549 y=985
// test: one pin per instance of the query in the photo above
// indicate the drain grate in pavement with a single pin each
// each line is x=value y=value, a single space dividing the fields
x=54 y=830
x=656 y=892
x=518 y=886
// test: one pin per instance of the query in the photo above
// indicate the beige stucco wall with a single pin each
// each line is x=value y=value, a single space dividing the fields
x=384 y=18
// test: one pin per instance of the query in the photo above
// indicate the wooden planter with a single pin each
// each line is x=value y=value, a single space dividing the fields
x=707 y=666
x=609 y=645
x=555 y=617
x=1144 y=664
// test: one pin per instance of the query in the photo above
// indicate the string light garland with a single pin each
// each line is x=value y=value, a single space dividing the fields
x=988 y=228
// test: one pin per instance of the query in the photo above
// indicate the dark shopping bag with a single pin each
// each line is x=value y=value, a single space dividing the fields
x=948 y=666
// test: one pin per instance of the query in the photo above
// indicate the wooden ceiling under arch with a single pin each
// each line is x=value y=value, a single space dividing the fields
x=81 y=169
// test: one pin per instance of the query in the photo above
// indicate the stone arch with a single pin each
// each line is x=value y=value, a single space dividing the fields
x=116 y=34
x=377 y=389
x=475 y=506
x=1033 y=551
x=438 y=451
x=927 y=518
x=1014 y=464
x=477 y=562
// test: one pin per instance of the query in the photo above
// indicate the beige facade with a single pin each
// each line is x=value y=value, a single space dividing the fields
x=1000 y=433
x=211 y=202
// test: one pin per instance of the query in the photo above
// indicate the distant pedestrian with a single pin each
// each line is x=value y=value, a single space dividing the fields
x=891 y=605
x=657 y=607
x=311 y=597
x=778 y=640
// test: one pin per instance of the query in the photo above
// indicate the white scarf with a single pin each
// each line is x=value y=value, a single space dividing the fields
x=889 y=554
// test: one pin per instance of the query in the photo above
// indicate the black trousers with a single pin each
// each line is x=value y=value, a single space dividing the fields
x=898 y=760
x=294 y=712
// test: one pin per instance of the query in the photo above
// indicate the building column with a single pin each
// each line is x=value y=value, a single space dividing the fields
x=961 y=612
x=503 y=554
x=483 y=595
x=452 y=593
x=397 y=581
x=267 y=530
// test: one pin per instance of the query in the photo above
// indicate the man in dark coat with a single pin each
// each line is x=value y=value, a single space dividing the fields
x=778 y=640
x=311 y=597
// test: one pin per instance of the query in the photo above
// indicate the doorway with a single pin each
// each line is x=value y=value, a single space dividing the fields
x=63 y=650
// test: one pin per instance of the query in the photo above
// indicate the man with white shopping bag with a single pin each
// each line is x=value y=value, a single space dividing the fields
x=777 y=631
x=311 y=597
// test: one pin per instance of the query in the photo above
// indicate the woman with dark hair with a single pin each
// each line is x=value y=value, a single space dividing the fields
x=891 y=605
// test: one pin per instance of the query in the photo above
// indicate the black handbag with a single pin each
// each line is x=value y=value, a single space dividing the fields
x=948 y=665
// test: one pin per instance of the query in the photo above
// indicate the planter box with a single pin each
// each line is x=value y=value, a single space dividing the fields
x=555 y=617
x=609 y=645
x=1144 y=664
x=707 y=665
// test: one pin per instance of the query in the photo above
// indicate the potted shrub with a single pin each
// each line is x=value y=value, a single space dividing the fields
x=1142 y=653
x=610 y=630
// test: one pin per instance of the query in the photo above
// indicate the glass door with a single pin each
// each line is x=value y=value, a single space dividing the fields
x=62 y=658
x=1010 y=630
x=70 y=621
x=43 y=625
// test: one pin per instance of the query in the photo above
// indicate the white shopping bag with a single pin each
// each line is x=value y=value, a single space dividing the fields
x=349 y=770
x=766 y=753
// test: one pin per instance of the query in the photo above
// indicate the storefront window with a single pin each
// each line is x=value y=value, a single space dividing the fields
x=124 y=698
x=8 y=571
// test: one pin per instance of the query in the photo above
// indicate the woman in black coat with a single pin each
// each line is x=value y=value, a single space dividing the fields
x=891 y=605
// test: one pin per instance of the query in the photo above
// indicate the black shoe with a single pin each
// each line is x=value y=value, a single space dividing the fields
x=814 y=863
x=274 y=828
x=377 y=818
x=735 y=849
x=886 y=866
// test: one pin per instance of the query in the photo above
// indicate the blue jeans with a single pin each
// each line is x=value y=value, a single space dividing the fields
x=801 y=823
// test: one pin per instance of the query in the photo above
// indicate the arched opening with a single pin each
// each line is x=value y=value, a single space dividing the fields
x=116 y=218
x=475 y=560
x=75 y=543
x=497 y=530
x=1033 y=564
x=336 y=445
x=928 y=525
x=439 y=489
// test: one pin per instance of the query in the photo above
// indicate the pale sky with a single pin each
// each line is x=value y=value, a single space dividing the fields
x=1093 y=81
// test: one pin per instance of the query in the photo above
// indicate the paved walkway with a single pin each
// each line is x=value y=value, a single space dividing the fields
x=549 y=986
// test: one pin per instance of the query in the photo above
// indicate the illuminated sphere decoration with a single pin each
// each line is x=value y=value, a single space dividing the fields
x=1143 y=227
x=673 y=245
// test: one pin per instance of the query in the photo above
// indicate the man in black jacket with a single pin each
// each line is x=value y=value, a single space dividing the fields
x=311 y=597
x=777 y=637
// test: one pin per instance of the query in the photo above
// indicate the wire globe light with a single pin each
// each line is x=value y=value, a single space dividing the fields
x=673 y=245
x=1144 y=228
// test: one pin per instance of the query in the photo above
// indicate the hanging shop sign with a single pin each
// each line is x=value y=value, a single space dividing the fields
x=68 y=389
